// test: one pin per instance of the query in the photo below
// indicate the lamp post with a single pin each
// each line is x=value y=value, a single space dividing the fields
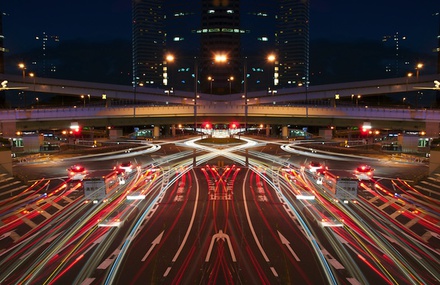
x=271 y=58
x=84 y=100
x=307 y=99
x=196 y=79
x=169 y=59
x=357 y=100
x=407 y=79
x=32 y=75
x=230 y=79
x=135 y=83
x=23 y=69
x=418 y=67
x=245 y=94
x=210 y=79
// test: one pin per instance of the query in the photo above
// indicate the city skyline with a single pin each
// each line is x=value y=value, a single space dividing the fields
x=330 y=60
x=112 y=20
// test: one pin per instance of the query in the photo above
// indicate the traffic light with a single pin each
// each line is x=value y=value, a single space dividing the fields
x=233 y=126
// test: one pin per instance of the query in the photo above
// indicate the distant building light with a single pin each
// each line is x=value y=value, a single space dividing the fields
x=211 y=11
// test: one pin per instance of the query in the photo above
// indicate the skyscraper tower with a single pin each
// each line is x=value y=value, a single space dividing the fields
x=43 y=67
x=148 y=42
x=2 y=48
x=182 y=19
x=293 y=42
x=395 y=63
x=220 y=35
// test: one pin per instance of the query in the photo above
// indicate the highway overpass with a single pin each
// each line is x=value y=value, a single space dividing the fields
x=162 y=96
x=60 y=118
x=156 y=107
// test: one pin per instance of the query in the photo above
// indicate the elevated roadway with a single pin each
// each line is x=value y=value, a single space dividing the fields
x=390 y=118
x=161 y=96
x=156 y=107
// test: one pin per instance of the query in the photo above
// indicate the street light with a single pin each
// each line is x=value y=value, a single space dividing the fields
x=307 y=99
x=84 y=100
x=272 y=58
x=418 y=67
x=210 y=79
x=169 y=58
x=230 y=79
x=357 y=100
x=23 y=68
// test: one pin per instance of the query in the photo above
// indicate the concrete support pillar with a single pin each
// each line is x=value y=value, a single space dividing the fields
x=432 y=129
x=247 y=158
x=267 y=130
x=285 y=132
x=194 y=158
x=156 y=132
x=9 y=129
x=173 y=130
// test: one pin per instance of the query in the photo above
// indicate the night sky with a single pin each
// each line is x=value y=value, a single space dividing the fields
x=111 y=19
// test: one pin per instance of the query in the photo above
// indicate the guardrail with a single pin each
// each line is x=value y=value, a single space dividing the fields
x=225 y=110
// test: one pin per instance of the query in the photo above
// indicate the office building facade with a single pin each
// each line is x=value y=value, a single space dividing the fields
x=292 y=40
x=243 y=31
x=148 y=42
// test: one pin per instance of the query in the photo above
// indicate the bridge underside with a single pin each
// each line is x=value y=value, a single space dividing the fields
x=189 y=121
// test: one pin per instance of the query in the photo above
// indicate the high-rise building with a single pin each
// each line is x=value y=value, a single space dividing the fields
x=148 y=41
x=258 y=42
x=41 y=65
x=220 y=36
x=293 y=42
x=395 y=65
x=182 y=19
x=2 y=48
x=243 y=31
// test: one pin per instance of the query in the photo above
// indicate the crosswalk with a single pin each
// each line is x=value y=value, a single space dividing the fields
x=10 y=185
x=430 y=186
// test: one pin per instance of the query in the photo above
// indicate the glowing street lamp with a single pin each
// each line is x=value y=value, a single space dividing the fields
x=230 y=79
x=221 y=58
x=210 y=79
x=23 y=68
x=418 y=67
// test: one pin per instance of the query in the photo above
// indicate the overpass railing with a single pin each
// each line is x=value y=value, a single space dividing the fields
x=226 y=110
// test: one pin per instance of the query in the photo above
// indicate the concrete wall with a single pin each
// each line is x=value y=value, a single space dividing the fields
x=408 y=143
x=32 y=143
x=434 y=161
x=326 y=134
x=114 y=134
x=8 y=129
x=6 y=161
